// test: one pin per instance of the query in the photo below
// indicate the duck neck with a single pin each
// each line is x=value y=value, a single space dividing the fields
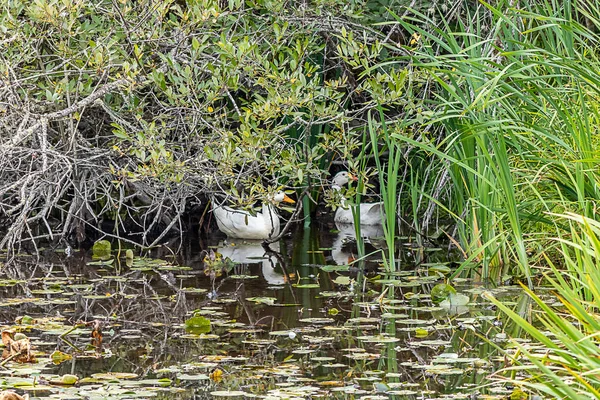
x=343 y=201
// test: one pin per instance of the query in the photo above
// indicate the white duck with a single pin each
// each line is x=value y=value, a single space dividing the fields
x=370 y=213
x=241 y=224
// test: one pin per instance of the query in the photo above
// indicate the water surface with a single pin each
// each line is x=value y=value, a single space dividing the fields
x=303 y=321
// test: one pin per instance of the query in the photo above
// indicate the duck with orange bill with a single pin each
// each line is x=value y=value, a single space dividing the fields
x=245 y=225
x=370 y=213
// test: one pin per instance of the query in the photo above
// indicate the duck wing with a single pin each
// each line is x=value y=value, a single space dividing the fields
x=343 y=216
x=241 y=224
x=371 y=213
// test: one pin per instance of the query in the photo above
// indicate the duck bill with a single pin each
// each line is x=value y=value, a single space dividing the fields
x=288 y=199
x=353 y=177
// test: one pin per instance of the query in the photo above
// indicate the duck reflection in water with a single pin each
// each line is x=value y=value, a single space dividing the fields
x=250 y=252
x=344 y=243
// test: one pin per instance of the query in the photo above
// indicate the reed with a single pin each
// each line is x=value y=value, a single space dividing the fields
x=510 y=116
x=568 y=335
x=388 y=182
x=511 y=119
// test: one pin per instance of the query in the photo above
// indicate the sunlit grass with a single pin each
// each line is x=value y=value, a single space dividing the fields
x=388 y=179
x=511 y=119
x=568 y=365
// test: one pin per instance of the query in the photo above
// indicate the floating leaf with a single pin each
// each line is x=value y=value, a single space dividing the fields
x=421 y=332
x=441 y=292
x=60 y=357
x=317 y=320
x=228 y=393
x=103 y=262
x=201 y=336
x=109 y=376
x=101 y=249
x=194 y=290
x=335 y=268
x=198 y=377
x=280 y=333
x=26 y=320
x=455 y=300
x=66 y=379
x=306 y=285
x=197 y=325
x=334 y=294
x=342 y=280
x=440 y=269
x=263 y=300
x=322 y=359
x=378 y=339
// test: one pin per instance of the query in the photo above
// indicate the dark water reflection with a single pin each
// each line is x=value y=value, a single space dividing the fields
x=343 y=334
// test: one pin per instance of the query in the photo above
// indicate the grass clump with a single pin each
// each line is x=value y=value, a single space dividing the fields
x=507 y=122
x=563 y=359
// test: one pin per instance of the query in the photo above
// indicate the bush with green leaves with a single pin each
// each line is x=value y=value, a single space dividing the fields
x=133 y=111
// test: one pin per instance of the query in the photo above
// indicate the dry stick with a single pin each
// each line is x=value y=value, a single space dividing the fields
x=107 y=234
x=237 y=110
x=279 y=257
x=23 y=134
x=293 y=218
x=168 y=228
x=156 y=218
x=43 y=138
x=6 y=360
x=73 y=207
x=128 y=35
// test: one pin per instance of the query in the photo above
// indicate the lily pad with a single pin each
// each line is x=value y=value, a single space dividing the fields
x=317 y=320
x=306 y=285
x=109 y=376
x=101 y=249
x=455 y=300
x=262 y=300
x=197 y=325
x=227 y=393
x=242 y=277
x=441 y=292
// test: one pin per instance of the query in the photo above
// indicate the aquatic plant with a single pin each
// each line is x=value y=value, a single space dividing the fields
x=507 y=122
x=564 y=354
x=388 y=182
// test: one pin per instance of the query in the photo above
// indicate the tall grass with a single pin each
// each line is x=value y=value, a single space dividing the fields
x=514 y=100
x=509 y=112
x=513 y=106
x=360 y=164
x=388 y=180
x=568 y=363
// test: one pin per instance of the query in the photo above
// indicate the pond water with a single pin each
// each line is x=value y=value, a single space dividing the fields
x=296 y=323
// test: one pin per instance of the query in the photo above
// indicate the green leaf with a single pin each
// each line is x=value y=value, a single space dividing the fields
x=197 y=325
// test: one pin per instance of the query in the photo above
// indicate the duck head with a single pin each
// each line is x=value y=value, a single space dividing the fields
x=342 y=178
x=280 y=196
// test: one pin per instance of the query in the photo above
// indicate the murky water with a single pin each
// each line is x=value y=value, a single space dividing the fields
x=294 y=323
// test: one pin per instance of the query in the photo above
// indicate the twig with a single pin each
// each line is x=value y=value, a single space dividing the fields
x=11 y=357
x=23 y=134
